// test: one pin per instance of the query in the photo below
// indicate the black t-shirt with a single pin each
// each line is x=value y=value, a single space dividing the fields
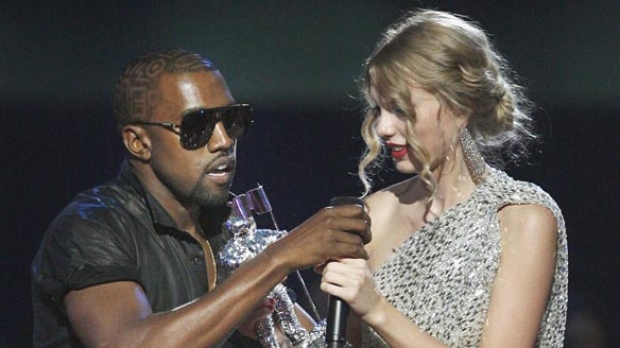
x=113 y=232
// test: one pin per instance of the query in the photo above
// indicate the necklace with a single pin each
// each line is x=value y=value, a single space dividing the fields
x=209 y=260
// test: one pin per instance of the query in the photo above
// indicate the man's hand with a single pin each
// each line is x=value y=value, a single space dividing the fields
x=332 y=233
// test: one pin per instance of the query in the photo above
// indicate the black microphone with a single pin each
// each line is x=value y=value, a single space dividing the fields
x=337 y=309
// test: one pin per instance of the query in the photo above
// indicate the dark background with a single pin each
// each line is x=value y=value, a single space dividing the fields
x=297 y=62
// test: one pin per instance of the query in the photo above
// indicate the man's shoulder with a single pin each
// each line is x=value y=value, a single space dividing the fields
x=99 y=225
x=111 y=197
x=113 y=203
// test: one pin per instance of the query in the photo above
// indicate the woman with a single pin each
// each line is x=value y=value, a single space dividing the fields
x=462 y=254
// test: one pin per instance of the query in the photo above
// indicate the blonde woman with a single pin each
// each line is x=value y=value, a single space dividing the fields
x=462 y=254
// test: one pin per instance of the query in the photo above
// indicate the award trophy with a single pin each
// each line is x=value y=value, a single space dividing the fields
x=245 y=241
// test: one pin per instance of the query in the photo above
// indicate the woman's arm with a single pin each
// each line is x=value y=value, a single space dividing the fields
x=518 y=298
x=351 y=280
x=523 y=283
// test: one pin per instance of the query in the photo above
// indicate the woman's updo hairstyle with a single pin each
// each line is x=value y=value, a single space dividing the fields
x=452 y=58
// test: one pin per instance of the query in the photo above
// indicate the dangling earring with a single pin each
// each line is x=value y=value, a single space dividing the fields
x=473 y=159
x=452 y=148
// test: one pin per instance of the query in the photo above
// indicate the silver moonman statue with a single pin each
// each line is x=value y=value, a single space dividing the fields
x=245 y=241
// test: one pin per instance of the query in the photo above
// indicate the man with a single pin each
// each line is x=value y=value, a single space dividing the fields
x=130 y=263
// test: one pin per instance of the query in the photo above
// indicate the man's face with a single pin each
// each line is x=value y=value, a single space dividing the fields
x=202 y=176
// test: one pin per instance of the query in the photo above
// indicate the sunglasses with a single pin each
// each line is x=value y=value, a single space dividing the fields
x=197 y=126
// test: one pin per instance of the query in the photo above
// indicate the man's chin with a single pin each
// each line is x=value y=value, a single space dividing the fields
x=219 y=200
x=213 y=198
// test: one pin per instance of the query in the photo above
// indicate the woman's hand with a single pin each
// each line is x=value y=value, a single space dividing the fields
x=351 y=280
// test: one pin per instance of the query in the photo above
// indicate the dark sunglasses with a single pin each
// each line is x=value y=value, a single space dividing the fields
x=197 y=126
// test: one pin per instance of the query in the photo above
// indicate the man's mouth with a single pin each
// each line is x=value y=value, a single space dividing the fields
x=222 y=167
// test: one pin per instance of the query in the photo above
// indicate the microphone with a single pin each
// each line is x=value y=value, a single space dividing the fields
x=337 y=309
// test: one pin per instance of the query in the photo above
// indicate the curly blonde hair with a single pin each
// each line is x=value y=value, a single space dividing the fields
x=452 y=58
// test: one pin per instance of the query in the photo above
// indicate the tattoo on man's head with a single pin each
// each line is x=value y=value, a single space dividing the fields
x=136 y=91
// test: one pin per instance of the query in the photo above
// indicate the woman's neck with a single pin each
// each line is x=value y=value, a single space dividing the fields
x=454 y=184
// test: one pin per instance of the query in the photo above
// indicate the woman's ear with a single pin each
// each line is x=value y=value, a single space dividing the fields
x=461 y=119
x=137 y=142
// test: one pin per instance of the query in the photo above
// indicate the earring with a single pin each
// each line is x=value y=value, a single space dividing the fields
x=473 y=159
x=452 y=149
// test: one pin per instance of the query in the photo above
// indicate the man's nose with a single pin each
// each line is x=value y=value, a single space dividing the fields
x=219 y=140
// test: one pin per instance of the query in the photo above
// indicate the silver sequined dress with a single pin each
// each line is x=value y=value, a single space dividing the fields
x=441 y=276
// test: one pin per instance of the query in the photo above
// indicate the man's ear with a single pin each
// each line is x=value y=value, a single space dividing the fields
x=137 y=142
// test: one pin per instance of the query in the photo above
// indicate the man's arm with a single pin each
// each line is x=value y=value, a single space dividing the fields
x=118 y=314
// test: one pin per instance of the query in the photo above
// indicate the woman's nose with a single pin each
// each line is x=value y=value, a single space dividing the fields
x=386 y=124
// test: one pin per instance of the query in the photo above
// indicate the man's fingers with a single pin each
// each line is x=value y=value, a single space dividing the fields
x=355 y=251
x=349 y=210
x=352 y=219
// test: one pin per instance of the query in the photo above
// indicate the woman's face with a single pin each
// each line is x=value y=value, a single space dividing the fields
x=435 y=128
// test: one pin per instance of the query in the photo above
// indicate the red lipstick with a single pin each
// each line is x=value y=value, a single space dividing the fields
x=399 y=152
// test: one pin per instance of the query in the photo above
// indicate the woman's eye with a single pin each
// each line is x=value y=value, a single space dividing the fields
x=375 y=111
x=396 y=110
x=399 y=112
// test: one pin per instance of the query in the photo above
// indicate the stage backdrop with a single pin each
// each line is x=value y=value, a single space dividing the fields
x=297 y=62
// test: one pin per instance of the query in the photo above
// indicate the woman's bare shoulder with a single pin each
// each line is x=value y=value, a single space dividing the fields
x=389 y=195
x=384 y=204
